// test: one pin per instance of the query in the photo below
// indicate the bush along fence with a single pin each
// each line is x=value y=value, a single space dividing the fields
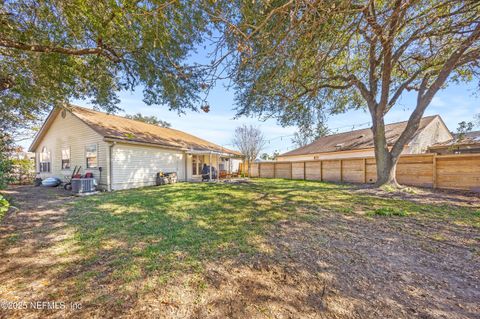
x=22 y=172
x=425 y=170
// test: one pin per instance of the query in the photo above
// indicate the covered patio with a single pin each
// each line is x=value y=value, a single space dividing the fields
x=213 y=165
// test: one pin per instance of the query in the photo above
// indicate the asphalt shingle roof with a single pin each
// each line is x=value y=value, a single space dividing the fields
x=121 y=128
x=355 y=140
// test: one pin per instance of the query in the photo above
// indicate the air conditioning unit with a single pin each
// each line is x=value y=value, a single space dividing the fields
x=83 y=185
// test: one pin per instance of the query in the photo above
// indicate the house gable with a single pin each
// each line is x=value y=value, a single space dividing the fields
x=435 y=132
x=61 y=131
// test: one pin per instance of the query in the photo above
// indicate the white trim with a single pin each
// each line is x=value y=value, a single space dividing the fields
x=96 y=156
x=42 y=130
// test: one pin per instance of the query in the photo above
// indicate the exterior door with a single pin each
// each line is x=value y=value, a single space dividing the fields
x=197 y=165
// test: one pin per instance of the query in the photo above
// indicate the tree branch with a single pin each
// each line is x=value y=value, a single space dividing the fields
x=425 y=95
x=100 y=50
x=400 y=90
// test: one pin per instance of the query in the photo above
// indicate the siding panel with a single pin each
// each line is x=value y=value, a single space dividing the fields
x=137 y=166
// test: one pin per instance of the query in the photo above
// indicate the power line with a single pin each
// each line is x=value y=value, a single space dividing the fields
x=353 y=127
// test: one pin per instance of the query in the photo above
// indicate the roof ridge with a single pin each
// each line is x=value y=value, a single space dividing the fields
x=123 y=117
x=355 y=138
x=368 y=128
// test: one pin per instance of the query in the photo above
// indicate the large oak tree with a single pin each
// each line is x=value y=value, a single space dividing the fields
x=53 y=51
x=294 y=58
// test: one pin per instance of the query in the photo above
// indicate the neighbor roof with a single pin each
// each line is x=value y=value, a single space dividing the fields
x=356 y=140
x=113 y=127
x=470 y=138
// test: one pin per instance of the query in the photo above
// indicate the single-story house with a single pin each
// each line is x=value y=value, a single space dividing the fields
x=359 y=143
x=121 y=153
x=467 y=143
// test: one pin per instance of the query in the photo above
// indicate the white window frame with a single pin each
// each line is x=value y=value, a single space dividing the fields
x=87 y=157
x=45 y=165
x=200 y=160
x=64 y=159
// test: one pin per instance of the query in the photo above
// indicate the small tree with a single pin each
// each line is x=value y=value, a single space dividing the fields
x=250 y=141
x=148 y=119
x=268 y=157
x=463 y=128
x=306 y=135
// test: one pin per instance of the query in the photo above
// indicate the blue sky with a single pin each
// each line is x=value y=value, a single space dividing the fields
x=455 y=104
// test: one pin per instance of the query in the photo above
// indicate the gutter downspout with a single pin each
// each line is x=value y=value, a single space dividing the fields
x=110 y=164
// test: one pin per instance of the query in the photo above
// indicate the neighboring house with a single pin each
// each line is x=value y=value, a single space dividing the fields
x=359 y=143
x=22 y=155
x=121 y=153
x=460 y=144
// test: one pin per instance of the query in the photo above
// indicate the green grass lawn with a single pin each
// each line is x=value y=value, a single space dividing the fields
x=167 y=230
x=268 y=247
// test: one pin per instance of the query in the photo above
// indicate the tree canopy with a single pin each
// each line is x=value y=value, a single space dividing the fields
x=295 y=59
x=54 y=51
x=148 y=119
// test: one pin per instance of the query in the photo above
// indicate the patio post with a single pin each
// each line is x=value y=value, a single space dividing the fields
x=210 y=167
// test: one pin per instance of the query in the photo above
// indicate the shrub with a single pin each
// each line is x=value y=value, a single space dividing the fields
x=4 y=205
x=22 y=171
x=5 y=170
x=5 y=162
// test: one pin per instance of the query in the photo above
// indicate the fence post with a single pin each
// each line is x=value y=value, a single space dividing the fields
x=291 y=170
x=434 y=171
x=364 y=170
x=341 y=170
x=321 y=171
x=304 y=170
x=274 y=170
x=259 y=170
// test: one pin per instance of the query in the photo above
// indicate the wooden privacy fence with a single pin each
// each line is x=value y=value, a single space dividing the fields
x=427 y=170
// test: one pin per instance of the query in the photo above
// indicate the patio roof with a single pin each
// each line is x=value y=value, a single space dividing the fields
x=209 y=152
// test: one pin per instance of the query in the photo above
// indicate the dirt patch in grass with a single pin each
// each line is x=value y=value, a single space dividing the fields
x=266 y=249
x=426 y=195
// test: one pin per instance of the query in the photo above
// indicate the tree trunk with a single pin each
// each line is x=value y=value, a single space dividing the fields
x=386 y=162
x=386 y=170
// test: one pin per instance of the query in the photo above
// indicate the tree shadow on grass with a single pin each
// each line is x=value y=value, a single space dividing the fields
x=145 y=238
x=157 y=246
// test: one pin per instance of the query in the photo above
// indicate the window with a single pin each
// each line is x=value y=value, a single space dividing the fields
x=66 y=158
x=44 y=160
x=197 y=164
x=91 y=155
